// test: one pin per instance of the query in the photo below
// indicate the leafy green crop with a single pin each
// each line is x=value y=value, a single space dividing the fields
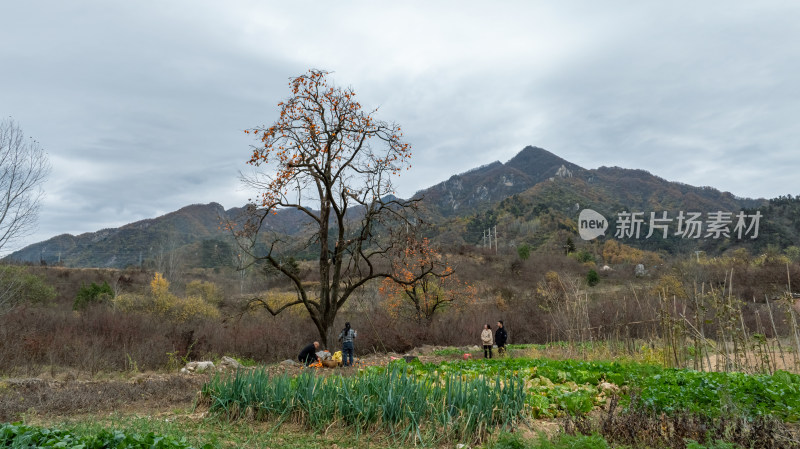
x=719 y=393
x=22 y=436
x=554 y=387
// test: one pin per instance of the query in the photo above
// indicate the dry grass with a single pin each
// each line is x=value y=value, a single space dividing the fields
x=25 y=397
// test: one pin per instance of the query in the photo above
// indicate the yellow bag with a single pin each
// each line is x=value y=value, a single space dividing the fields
x=337 y=356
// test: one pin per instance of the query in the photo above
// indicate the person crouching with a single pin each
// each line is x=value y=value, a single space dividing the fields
x=309 y=354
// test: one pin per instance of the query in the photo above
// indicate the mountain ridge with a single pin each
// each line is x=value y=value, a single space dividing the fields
x=494 y=181
x=533 y=182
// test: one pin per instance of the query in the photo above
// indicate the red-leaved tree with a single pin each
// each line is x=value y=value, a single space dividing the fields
x=423 y=283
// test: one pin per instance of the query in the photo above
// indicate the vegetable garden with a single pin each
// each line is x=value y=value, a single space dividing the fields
x=431 y=403
x=488 y=402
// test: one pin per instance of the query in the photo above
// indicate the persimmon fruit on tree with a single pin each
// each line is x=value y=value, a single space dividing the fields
x=334 y=162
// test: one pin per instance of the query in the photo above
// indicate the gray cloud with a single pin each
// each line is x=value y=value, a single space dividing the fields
x=142 y=105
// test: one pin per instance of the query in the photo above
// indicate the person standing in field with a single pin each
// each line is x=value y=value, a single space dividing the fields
x=347 y=337
x=487 y=340
x=500 y=338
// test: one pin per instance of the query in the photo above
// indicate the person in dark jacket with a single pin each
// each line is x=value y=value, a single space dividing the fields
x=309 y=354
x=346 y=336
x=500 y=338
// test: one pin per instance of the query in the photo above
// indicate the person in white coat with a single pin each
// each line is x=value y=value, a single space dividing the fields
x=487 y=338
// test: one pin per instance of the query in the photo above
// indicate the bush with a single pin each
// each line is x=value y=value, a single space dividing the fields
x=524 y=251
x=93 y=293
x=17 y=285
x=161 y=302
x=583 y=256
x=109 y=339
x=208 y=291
x=592 y=278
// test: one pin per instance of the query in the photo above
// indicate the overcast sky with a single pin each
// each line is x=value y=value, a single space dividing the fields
x=141 y=105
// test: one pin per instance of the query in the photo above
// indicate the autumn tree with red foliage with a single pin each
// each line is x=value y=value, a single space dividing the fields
x=334 y=162
x=423 y=283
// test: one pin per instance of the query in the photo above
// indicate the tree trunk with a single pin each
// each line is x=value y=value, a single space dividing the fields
x=329 y=337
x=326 y=332
x=323 y=338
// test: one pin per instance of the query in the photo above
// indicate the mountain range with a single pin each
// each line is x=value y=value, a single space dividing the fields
x=532 y=198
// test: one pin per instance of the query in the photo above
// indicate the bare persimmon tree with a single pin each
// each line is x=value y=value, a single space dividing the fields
x=423 y=283
x=332 y=163
x=23 y=170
